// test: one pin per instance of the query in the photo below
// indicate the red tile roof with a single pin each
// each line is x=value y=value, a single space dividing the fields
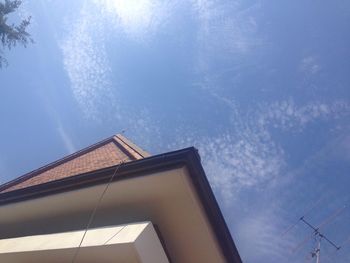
x=104 y=154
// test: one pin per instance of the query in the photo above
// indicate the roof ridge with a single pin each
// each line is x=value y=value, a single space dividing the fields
x=62 y=160
x=139 y=152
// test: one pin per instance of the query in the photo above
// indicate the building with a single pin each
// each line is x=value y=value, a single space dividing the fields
x=113 y=202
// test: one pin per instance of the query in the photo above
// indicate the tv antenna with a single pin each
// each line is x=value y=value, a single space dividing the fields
x=318 y=235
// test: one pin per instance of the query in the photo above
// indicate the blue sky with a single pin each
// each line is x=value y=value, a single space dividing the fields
x=261 y=88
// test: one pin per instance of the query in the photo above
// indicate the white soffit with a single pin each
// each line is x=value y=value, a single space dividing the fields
x=132 y=243
x=168 y=199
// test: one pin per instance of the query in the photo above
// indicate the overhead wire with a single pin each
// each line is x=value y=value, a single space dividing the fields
x=93 y=213
x=307 y=211
x=118 y=231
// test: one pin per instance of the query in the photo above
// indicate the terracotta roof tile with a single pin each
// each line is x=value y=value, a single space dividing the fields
x=101 y=155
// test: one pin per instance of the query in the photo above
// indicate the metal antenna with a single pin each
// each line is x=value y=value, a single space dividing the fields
x=306 y=212
x=319 y=236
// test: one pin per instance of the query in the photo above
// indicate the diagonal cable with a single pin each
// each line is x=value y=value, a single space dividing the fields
x=114 y=235
x=93 y=213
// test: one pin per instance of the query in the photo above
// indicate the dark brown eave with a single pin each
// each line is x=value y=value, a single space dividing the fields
x=188 y=157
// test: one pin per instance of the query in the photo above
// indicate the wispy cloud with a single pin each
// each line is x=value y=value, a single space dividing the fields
x=310 y=65
x=286 y=114
x=86 y=63
x=143 y=129
x=242 y=160
x=225 y=29
x=246 y=157
x=261 y=230
x=84 y=50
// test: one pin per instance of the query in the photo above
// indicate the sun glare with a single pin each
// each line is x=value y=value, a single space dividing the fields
x=132 y=14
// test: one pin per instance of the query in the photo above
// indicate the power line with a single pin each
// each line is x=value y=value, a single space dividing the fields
x=114 y=235
x=307 y=211
x=93 y=213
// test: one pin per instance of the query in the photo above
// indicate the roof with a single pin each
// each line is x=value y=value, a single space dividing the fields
x=106 y=153
x=143 y=168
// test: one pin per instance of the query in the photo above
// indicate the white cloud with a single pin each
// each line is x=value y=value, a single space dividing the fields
x=246 y=157
x=310 y=65
x=286 y=114
x=225 y=29
x=84 y=51
x=86 y=63
x=143 y=129
x=249 y=158
x=243 y=160
x=261 y=231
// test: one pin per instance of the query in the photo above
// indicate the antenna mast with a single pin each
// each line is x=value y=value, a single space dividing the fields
x=319 y=236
